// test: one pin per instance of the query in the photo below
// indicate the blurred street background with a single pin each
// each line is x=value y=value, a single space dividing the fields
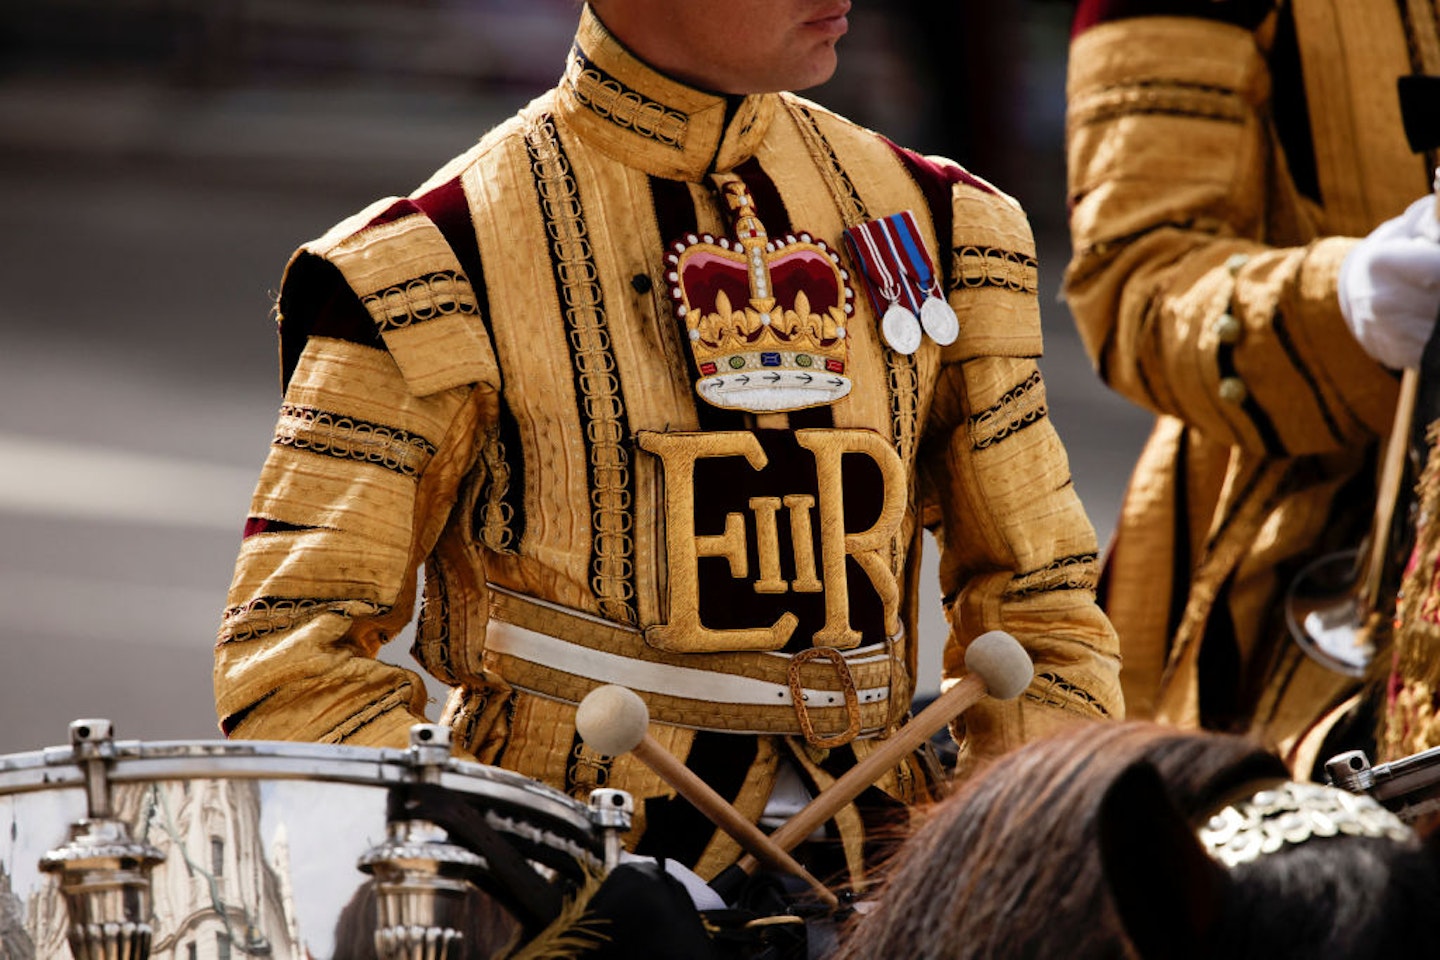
x=159 y=161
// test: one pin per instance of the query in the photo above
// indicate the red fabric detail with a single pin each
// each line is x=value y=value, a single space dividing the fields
x=936 y=178
x=449 y=208
x=254 y=525
x=316 y=302
x=935 y=181
x=1411 y=563
x=704 y=274
x=1241 y=13
x=807 y=270
x=398 y=210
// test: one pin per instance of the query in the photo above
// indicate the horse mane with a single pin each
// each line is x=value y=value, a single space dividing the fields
x=1082 y=846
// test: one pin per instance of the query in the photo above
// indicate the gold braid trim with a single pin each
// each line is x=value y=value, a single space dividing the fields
x=612 y=565
x=994 y=267
x=1053 y=690
x=1078 y=572
x=628 y=109
x=398 y=699
x=1021 y=406
x=842 y=189
x=327 y=433
x=497 y=516
x=264 y=616
x=1417 y=638
x=1410 y=725
x=1173 y=98
x=439 y=294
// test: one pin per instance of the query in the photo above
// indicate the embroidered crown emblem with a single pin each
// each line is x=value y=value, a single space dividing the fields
x=766 y=318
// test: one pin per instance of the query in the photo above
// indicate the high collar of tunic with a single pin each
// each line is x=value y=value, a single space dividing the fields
x=639 y=116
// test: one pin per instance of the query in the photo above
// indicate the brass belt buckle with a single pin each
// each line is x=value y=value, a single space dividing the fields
x=847 y=689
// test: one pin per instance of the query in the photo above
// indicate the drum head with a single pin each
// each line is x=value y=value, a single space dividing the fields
x=262 y=843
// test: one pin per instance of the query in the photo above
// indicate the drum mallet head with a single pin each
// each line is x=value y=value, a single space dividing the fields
x=999 y=660
x=612 y=720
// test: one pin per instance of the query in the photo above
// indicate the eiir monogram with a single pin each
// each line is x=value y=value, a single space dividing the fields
x=798 y=514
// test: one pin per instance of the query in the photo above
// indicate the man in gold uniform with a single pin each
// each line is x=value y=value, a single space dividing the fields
x=616 y=380
x=1225 y=159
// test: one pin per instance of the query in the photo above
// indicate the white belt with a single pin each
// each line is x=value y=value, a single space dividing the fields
x=688 y=682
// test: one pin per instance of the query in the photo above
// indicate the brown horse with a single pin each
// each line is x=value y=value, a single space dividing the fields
x=1085 y=846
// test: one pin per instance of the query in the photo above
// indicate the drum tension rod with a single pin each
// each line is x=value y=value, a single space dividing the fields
x=104 y=874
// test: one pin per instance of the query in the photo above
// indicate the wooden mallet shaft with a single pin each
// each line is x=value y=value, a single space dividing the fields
x=888 y=754
x=613 y=720
x=724 y=815
x=998 y=667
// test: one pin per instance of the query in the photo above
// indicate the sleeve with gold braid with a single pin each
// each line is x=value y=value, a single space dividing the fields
x=1203 y=281
x=1018 y=552
x=375 y=433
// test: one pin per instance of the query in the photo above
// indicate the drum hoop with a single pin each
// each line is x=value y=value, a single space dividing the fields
x=137 y=761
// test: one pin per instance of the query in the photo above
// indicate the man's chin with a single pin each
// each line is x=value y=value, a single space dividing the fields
x=820 y=69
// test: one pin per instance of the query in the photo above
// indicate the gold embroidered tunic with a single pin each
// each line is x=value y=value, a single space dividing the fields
x=488 y=380
x=1220 y=162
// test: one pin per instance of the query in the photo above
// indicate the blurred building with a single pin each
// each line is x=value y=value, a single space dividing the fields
x=220 y=893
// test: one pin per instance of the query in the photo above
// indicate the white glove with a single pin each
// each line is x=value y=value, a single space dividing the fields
x=1390 y=286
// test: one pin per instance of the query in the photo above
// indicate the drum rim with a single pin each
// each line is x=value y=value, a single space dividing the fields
x=142 y=761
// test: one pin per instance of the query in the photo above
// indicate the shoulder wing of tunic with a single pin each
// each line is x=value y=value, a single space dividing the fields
x=394 y=262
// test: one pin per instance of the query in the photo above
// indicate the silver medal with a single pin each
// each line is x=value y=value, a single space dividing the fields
x=939 y=320
x=901 y=329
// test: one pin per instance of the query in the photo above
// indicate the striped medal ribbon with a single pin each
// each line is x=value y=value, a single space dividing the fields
x=901 y=280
